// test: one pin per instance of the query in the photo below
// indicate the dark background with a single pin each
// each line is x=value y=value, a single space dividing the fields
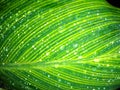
x=115 y=3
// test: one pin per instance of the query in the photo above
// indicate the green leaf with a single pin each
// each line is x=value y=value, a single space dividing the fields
x=59 y=45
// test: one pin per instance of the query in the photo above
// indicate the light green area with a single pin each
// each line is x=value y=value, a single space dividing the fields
x=59 y=45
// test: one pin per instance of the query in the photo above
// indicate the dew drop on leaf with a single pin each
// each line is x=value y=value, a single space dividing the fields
x=48 y=76
x=13 y=84
x=59 y=80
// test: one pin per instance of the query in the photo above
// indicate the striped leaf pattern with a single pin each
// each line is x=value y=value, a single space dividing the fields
x=59 y=45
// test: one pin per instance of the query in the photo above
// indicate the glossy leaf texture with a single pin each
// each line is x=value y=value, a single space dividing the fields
x=59 y=45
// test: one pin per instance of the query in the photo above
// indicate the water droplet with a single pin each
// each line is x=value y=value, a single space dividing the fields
x=36 y=80
x=28 y=44
x=87 y=86
x=28 y=75
x=1 y=17
x=29 y=70
x=10 y=16
x=88 y=12
x=118 y=77
x=62 y=47
x=40 y=60
x=75 y=45
x=59 y=80
x=111 y=70
x=34 y=48
x=14 y=27
x=58 y=85
x=13 y=84
x=26 y=87
x=58 y=74
x=48 y=76
x=23 y=58
x=2 y=35
x=108 y=65
x=3 y=63
x=109 y=80
x=98 y=14
x=104 y=88
x=96 y=60
x=97 y=79
x=6 y=49
x=112 y=42
x=105 y=19
x=119 y=52
x=18 y=34
x=68 y=83
x=94 y=68
x=36 y=88
x=67 y=51
x=29 y=83
x=47 y=53
x=56 y=65
x=75 y=53
x=80 y=57
x=7 y=55
x=98 y=88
